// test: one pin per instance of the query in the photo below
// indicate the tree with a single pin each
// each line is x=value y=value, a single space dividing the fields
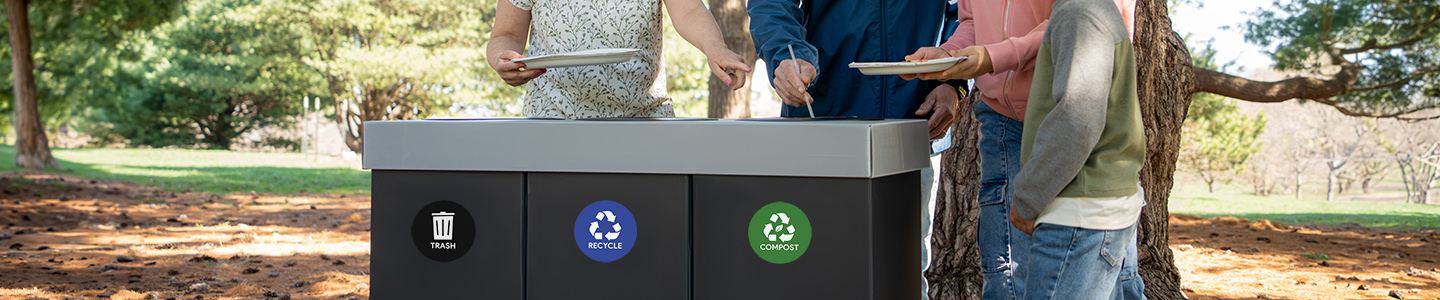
x=1218 y=139
x=1395 y=43
x=72 y=37
x=400 y=59
x=735 y=25
x=1262 y=172
x=1369 y=169
x=32 y=149
x=1339 y=141
x=1416 y=151
x=215 y=73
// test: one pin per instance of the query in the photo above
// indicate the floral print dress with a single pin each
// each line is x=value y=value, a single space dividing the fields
x=634 y=88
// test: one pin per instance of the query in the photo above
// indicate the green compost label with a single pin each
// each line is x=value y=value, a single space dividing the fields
x=779 y=232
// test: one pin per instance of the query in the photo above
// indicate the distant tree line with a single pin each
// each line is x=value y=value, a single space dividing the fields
x=202 y=73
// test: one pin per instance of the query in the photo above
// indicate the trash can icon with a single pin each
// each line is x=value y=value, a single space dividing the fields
x=442 y=225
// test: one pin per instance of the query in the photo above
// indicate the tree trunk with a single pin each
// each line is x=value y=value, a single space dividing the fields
x=32 y=149
x=1166 y=82
x=734 y=24
x=1297 y=186
x=1405 y=177
x=955 y=257
x=1330 y=184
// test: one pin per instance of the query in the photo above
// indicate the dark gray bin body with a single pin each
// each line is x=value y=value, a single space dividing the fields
x=865 y=244
x=491 y=269
x=691 y=186
x=657 y=266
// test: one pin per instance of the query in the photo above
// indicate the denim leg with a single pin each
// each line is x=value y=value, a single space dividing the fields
x=1000 y=245
x=1076 y=263
x=1131 y=286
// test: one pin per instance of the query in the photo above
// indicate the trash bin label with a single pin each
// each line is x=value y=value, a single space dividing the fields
x=443 y=231
x=605 y=231
x=779 y=232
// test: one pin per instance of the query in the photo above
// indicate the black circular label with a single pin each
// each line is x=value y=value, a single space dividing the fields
x=443 y=231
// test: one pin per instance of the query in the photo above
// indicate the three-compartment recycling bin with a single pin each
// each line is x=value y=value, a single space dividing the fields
x=646 y=209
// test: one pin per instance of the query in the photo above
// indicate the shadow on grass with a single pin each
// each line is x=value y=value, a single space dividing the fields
x=217 y=179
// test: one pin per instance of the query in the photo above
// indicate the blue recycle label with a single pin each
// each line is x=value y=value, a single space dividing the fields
x=605 y=231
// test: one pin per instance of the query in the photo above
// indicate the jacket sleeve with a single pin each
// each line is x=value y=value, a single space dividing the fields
x=775 y=25
x=964 y=35
x=1012 y=53
x=1083 y=53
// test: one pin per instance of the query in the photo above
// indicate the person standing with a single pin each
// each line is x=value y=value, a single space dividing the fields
x=1000 y=39
x=826 y=36
x=1078 y=191
x=633 y=88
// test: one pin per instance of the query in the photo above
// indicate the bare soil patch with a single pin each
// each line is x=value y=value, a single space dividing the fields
x=1229 y=258
x=68 y=237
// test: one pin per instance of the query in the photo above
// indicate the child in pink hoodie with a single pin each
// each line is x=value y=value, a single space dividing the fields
x=1000 y=38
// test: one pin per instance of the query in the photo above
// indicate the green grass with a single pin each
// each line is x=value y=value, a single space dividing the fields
x=1316 y=255
x=210 y=171
x=1228 y=200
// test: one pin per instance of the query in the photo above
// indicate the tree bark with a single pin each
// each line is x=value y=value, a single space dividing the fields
x=1166 y=82
x=735 y=25
x=955 y=256
x=32 y=148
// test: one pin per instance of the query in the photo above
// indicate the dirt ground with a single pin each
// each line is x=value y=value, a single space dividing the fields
x=66 y=237
x=1229 y=258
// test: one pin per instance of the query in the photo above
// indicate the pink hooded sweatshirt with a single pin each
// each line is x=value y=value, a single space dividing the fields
x=1011 y=31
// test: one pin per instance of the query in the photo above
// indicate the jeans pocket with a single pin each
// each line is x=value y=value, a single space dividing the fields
x=1112 y=250
x=992 y=191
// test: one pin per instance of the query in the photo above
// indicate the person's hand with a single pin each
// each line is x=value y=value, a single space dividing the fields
x=977 y=63
x=793 y=86
x=924 y=54
x=514 y=73
x=1026 y=226
x=940 y=105
x=728 y=66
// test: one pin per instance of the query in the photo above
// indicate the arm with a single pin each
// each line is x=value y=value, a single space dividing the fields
x=776 y=26
x=507 y=40
x=1083 y=53
x=699 y=27
x=701 y=31
x=1013 y=52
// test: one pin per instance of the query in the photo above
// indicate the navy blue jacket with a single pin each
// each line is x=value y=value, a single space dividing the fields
x=830 y=34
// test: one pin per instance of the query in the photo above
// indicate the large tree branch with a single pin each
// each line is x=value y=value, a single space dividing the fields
x=1237 y=87
x=1314 y=89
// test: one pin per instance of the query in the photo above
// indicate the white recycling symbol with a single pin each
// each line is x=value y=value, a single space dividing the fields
x=779 y=228
x=606 y=216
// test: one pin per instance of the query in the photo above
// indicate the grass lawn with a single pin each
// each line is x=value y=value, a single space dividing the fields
x=211 y=171
x=1231 y=200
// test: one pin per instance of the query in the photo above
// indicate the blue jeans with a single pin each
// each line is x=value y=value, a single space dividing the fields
x=1076 y=263
x=1002 y=248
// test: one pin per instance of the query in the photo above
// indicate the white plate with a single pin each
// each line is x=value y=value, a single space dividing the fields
x=579 y=58
x=906 y=67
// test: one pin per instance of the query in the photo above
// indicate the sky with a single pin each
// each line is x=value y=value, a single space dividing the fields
x=1210 y=22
